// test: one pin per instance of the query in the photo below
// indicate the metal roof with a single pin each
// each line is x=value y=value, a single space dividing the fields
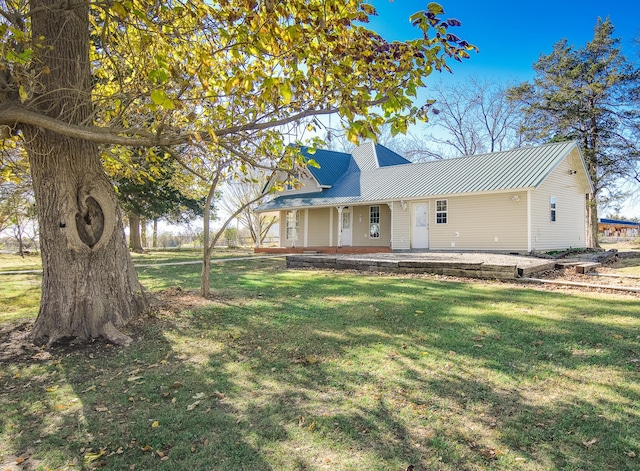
x=332 y=165
x=520 y=168
x=618 y=222
x=387 y=157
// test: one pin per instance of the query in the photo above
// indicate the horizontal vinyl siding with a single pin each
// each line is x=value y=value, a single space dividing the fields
x=361 y=228
x=569 y=229
x=318 y=227
x=481 y=222
x=401 y=226
x=307 y=185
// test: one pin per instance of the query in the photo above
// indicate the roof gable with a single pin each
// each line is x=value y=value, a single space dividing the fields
x=332 y=165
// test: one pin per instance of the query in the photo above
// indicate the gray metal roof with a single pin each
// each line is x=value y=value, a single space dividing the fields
x=520 y=168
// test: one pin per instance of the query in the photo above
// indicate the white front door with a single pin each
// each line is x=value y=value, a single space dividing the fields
x=346 y=227
x=420 y=226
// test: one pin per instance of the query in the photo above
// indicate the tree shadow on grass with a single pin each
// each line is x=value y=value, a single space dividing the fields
x=310 y=372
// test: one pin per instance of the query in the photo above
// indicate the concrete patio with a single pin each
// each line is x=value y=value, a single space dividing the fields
x=466 y=264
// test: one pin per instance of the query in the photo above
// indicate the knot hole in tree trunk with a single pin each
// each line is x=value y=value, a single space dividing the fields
x=89 y=221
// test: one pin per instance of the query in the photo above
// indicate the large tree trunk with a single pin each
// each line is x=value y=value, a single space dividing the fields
x=90 y=288
x=154 y=238
x=134 y=233
x=592 y=221
x=143 y=233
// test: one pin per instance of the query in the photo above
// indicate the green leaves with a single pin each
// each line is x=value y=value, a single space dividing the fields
x=160 y=97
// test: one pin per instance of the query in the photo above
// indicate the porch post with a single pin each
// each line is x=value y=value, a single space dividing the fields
x=391 y=236
x=340 y=208
x=295 y=228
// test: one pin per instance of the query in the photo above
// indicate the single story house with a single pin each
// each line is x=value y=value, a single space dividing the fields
x=372 y=199
x=617 y=228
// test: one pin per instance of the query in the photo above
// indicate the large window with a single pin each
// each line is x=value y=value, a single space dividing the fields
x=293 y=222
x=441 y=211
x=374 y=222
x=552 y=208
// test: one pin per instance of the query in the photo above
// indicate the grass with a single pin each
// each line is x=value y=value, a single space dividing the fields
x=310 y=370
x=32 y=261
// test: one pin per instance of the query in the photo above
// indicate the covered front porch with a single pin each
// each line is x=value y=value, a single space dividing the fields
x=335 y=229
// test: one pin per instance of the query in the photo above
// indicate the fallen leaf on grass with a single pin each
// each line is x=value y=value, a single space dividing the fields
x=312 y=426
x=492 y=453
x=134 y=378
x=91 y=457
x=199 y=396
x=147 y=448
x=101 y=409
x=590 y=443
x=630 y=454
x=193 y=405
x=155 y=424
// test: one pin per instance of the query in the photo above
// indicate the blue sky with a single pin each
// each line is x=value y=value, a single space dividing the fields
x=511 y=35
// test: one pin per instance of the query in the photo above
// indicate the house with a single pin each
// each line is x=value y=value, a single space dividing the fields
x=618 y=229
x=532 y=198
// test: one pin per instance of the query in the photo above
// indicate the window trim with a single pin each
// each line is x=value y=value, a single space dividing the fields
x=290 y=185
x=553 y=209
x=442 y=216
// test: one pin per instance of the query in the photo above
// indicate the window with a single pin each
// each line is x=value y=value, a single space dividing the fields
x=293 y=182
x=441 y=211
x=293 y=222
x=374 y=222
x=552 y=207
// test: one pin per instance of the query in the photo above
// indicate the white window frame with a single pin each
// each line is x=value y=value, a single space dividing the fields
x=553 y=209
x=292 y=229
x=442 y=215
x=290 y=186
x=374 y=222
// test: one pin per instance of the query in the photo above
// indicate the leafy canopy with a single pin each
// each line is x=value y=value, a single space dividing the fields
x=228 y=73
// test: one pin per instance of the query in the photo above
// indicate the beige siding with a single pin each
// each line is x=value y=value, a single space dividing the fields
x=361 y=226
x=401 y=226
x=308 y=184
x=569 y=189
x=481 y=222
x=318 y=227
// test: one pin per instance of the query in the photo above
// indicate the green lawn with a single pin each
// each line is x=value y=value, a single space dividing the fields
x=310 y=370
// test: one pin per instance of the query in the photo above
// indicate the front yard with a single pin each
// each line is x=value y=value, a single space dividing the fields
x=307 y=370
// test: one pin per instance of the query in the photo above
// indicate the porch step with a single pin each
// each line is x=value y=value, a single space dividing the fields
x=587 y=267
x=562 y=265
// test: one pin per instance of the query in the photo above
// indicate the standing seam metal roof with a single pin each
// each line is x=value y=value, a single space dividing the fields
x=499 y=171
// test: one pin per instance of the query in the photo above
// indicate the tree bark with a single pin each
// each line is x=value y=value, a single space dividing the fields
x=90 y=288
x=154 y=238
x=134 y=233
x=592 y=221
x=143 y=233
